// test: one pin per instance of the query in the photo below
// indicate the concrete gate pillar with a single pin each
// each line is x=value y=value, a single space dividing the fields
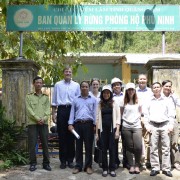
x=126 y=71
x=17 y=77
x=160 y=69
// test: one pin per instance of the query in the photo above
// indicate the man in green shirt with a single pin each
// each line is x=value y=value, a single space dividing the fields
x=38 y=112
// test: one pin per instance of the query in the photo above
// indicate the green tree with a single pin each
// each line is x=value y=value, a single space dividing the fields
x=137 y=42
x=48 y=49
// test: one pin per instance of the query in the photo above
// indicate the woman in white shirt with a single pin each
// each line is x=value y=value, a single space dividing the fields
x=131 y=127
x=95 y=84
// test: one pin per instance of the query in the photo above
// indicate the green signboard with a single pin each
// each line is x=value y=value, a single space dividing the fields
x=93 y=18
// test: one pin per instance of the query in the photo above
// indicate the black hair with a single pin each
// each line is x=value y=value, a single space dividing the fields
x=156 y=83
x=112 y=85
x=101 y=95
x=85 y=82
x=166 y=81
x=36 y=78
x=108 y=102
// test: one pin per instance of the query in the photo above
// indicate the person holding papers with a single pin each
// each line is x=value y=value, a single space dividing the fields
x=82 y=120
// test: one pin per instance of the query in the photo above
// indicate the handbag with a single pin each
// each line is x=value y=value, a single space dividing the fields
x=98 y=155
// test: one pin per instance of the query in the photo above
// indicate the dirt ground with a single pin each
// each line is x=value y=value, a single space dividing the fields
x=23 y=173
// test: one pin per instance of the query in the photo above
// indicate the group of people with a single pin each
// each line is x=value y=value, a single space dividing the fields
x=144 y=118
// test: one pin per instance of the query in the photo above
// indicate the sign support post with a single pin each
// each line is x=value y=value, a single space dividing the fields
x=21 y=45
x=163 y=43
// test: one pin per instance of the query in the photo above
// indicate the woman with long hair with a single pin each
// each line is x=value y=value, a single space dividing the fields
x=107 y=129
x=95 y=85
x=131 y=128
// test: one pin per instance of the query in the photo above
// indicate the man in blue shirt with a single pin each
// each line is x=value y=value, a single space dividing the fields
x=82 y=120
x=64 y=93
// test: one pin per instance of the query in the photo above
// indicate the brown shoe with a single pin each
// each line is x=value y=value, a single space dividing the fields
x=75 y=171
x=89 y=170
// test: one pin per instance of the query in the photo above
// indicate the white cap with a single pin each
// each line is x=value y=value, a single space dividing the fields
x=130 y=86
x=115 y=80
x=108 y=87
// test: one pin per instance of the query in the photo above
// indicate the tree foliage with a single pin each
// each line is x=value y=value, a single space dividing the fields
x=49 y=49
x=11 y=152
x=136 y=42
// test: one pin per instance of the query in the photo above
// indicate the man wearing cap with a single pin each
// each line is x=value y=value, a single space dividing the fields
x=83 y=119
x=64 y=93
x=116 y=84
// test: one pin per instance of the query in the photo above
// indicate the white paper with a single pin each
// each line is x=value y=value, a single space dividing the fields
x=76 y=134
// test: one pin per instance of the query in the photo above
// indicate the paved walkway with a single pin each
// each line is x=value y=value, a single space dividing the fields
x=22 y=173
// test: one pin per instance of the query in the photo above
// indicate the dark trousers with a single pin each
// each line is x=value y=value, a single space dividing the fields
x=133 y=142
x=86 y=133
x=33 y=132
x=66 y=138
x=107 y=141
x=117 y=161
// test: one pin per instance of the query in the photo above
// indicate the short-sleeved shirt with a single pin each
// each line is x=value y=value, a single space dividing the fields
x=132 y=116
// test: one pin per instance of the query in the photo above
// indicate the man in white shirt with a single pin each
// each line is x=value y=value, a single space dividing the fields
x=167 y=93
x=144 y=93
x=159 y=121
x=64 y=93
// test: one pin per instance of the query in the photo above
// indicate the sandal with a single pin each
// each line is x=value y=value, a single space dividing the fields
x=105 y=173
x=136 y=170
x=113 y=174
x=131 y=170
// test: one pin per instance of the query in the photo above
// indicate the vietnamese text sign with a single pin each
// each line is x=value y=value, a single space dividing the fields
x=93 y=18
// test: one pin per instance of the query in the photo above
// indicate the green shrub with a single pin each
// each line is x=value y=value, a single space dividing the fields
x=11 y=152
